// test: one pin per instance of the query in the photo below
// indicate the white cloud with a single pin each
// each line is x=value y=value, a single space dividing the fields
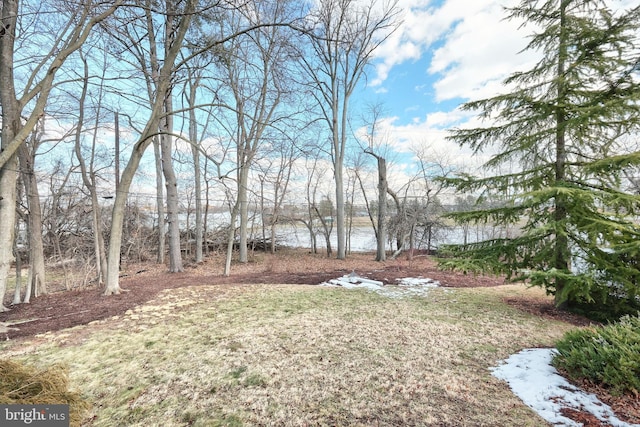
x=430 y=133
x=480 y=52
x=419 y=29
x=422 y=24
x=477 y=47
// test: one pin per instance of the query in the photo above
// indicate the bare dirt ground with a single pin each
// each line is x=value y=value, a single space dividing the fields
x=62 y=309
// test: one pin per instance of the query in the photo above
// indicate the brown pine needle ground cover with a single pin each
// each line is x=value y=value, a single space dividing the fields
x=300 y=355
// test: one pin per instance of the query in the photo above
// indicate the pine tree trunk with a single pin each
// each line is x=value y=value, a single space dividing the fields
x=561 y=250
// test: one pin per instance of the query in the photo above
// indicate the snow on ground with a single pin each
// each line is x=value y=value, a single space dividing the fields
x=529 y=373
x=406 y=287
x=537 y=383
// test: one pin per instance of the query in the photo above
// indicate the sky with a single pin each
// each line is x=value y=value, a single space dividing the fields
x=444 y=53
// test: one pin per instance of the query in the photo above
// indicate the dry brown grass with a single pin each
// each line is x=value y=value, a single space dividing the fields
x=22 y=384
x=301 y=355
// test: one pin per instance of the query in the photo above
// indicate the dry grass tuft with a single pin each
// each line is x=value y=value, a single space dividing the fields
x=303 y=355
x=27 y=384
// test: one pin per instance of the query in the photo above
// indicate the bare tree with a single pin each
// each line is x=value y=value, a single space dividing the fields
x=193 y=84
x=307 y=214
x=36 y=279
x=377 y=147
x=61 y=215
x=344 y=36
x=88 y=171
x=179 y=27
x=324 y=210
x=282 y=167
x=418 y=212
x=320 y=213
x=253 y=67
x=35 y=89
x=149 y=60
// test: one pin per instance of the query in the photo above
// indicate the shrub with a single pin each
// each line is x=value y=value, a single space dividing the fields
x=607 y=355
x=605 y=307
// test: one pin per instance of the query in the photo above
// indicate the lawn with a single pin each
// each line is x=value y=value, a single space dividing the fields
x=299 y=355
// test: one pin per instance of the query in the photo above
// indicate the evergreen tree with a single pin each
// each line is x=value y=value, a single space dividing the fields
x=568 y=122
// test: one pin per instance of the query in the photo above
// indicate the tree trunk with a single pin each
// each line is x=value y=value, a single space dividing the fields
x=199 y=226
x=231 y=237
x=263 y=217
x=205 y=220
x=36 y=277
x=101 y=254
x=399 y=212
x=381 y=236
x=340 y=223
x=117 y=213
x=561 y=250
x=243 y=202
x=337 y=134
x=10 y=128
x=159 y=200
x=17 y=296
x=326 y=231
x=197 y=173
x=88 y=176
x=166 y=147
x=175 y=255
x=412 y=241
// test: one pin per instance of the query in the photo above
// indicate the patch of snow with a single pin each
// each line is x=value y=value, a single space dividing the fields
x=538 y=384
x=419 y=281
x=406 y=287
